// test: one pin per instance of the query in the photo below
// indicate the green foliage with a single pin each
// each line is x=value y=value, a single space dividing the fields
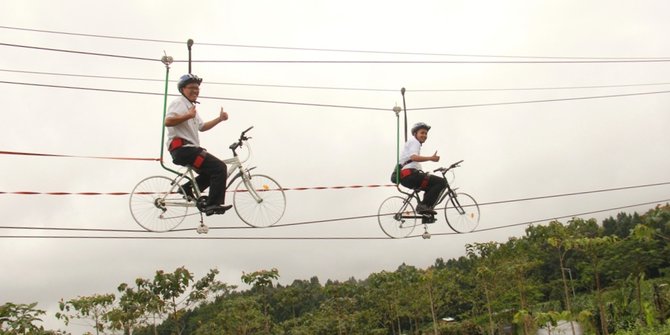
x=93 y=308
x=656 y=330
x=20 y=319
x=612 y=279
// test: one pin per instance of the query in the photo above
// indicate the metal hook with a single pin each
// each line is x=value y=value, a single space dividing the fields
x=167 y=60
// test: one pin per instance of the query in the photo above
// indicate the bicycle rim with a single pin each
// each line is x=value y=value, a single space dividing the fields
x=150 y=204
x=262 y=207
x=463 y=217
x=391 y=220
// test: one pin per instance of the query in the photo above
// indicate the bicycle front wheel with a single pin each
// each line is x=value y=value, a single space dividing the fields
x=156 y=206
x=462 y=213
x=259 y=201
x=396 y=217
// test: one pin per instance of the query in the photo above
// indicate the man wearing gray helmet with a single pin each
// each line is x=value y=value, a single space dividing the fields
x=411 y=175
x=183 y=124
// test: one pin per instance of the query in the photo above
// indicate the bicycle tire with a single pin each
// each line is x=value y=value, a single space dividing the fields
x=264 y=212
x=148 y=204
x=390 y=221
x=466 y=222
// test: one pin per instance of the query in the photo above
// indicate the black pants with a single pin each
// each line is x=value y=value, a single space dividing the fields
x=212 y=173
x=432 y=186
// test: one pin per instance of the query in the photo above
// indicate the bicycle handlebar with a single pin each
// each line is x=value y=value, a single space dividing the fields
x=444 y=170
x=244 y=132
x=242 y=138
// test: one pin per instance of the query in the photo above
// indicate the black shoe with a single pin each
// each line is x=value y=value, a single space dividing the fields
x=189 y=194
x=216 y=209
x=425 y=210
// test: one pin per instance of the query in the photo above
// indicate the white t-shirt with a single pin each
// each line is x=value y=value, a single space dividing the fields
x=412 y=147
x=188 y=129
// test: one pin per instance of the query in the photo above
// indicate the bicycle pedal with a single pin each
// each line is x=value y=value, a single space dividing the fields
x=202 y=229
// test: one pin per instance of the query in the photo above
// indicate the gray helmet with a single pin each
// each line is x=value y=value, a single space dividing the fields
x=187 y=79
x=418 y=126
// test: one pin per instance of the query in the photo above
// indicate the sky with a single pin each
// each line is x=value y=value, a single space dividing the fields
x=538 y=99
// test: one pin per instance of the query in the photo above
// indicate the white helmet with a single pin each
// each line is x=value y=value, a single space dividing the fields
x=187 y=79
x=420 y=125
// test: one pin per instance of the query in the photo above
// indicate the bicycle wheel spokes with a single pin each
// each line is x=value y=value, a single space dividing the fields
x=462 y=214
x=155 y=207
x=262 y=204
x=396 y=219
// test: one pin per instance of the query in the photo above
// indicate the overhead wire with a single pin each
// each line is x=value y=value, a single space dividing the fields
x=556 y=218
x=606 y=96
x=304 y=61
x=163 y=237
x=317 y=49
x=484 y=89
x=307 y=104
x=87 y=53
x=351 y=218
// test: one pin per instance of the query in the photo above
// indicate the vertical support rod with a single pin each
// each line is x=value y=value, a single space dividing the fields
x=189 y=44
x=167 y=60
x=404 y=106
x=396 y=109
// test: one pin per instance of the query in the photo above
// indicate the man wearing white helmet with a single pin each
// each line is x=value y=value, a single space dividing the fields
x=411 y=175
x=183 y=124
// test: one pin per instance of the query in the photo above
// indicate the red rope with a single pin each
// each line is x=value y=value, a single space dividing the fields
x=72 y=156
x=147 y=159
x=128 y=193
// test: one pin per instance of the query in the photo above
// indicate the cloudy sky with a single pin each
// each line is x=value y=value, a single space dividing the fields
x=538 y=98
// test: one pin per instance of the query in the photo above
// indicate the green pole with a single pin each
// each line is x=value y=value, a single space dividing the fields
x=396 y=109
x=167 y=60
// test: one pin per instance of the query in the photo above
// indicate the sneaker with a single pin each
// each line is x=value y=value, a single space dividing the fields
x=216 y=209
x=423 y=209
x=189 y=194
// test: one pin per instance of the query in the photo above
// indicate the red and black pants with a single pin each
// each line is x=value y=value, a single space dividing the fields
x=431 y=184
x=212 y=172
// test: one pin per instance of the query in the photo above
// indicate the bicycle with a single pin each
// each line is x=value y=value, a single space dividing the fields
x=160 y=203
x=397 y=215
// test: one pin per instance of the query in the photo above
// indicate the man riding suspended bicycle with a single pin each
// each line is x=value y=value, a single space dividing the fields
x=411 y=174
x=183 y=123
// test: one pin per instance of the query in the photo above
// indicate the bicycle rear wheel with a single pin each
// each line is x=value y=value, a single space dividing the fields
x=260 y=204
x=155 y=204
x=396 y=219
x=462 y=213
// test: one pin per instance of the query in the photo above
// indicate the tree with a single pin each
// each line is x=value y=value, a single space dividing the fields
x=93 y=308
x=594 y=248
x=238 y=314
x=427 y=278
x=484 y=274
x=383 y=288
x=561 y=239
x=634 y=257
x=302 y=296
x=262 y=280
x=517 y=265
x=20 y=319
x=165 y=298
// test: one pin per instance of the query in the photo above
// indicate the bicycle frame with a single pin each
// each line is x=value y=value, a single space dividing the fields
x=234 y=163
x=447 y=192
